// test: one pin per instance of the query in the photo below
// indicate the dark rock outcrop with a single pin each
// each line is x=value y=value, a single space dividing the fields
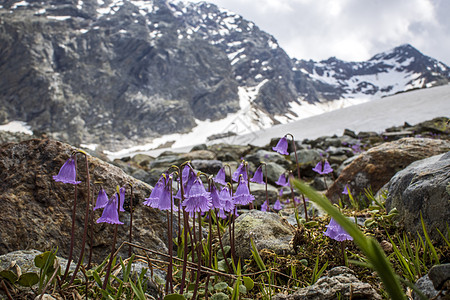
x=36 y=210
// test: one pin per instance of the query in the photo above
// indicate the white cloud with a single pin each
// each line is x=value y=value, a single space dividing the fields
x=350 y=29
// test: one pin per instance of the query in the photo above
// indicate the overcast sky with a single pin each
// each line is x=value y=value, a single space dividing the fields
x=351 y=30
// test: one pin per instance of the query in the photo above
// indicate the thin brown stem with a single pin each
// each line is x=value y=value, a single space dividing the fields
x=131 y=219
x=108 y=268
x=298 y=174
x=221 y=244
x=199 y=256
x=72 y=232
x=86 y=219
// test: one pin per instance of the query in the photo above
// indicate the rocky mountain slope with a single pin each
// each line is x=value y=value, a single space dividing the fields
x=118 y=72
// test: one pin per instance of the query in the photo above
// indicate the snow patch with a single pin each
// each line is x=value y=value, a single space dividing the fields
x=18 y=4
x=16 y=126
x=59 y=18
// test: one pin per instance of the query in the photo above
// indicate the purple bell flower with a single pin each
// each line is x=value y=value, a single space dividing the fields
x=277 y=205
x=336 y=232
x=258 y=176
x=102 y=199
x=323 y=168
x=242 y=195
x=281 y=146
x=153 y=199
x=226 y=199
x=110 y=214
x=68 y=172
x=220 y=177
x=198 y=200
x=282 y=181
x=216 y=203
x=264 y=206
x=241 y=170
x=165 y=201
x=222 y=214
x=346 y=189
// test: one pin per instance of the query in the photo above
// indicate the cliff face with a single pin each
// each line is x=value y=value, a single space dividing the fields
x=118 y=73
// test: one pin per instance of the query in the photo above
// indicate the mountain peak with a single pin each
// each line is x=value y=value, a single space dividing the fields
x=124 y=72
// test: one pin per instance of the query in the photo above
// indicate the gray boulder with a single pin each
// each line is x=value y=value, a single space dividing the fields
x=421 y=188
x=340 y=280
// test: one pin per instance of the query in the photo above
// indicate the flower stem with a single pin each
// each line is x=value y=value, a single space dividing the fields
x=298 y=174
x=199 y=255
x=131 y=219
x=86 y=219
x=72 y=232
x=221 y=244
x=113 y=249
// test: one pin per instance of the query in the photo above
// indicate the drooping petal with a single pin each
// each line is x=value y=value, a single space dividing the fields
x=282 y=181
x=102 y=199
x=153 y=199
x=226 y=199
x=277 y=205
x=165 y=202
x=336 y=232
x=198 y=200
x=258 y=177
x=323 y=167
x=222 y=214
x=216 y=203
x=241 y=170
x=264 y=206
x=242 y=195
x=68 y=172
x=281 y=146
x=220 y=177
x=346 y=189
x=110 y=213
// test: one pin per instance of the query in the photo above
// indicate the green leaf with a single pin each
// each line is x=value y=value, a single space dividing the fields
x=220 y=286
x=226 y=249
x=427 y=238
x=28 y=279
x=137 y=291
x=242 y=289
x=41 y=259
x=174 y=297
x=248 y=282
x=9 y=275
x=220 y=296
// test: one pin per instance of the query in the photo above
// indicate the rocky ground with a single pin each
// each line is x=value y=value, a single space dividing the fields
x=411 y=162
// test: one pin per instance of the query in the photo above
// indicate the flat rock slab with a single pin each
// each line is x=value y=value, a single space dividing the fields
x=268 y=230
x=339 y=280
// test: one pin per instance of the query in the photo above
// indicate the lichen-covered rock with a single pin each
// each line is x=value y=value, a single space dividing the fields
x=268 y=230
x=376 y=167
x=36 y=210
x=340 y=280
x=420 y=189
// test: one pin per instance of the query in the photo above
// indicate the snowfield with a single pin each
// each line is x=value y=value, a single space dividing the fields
x=376 y=115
